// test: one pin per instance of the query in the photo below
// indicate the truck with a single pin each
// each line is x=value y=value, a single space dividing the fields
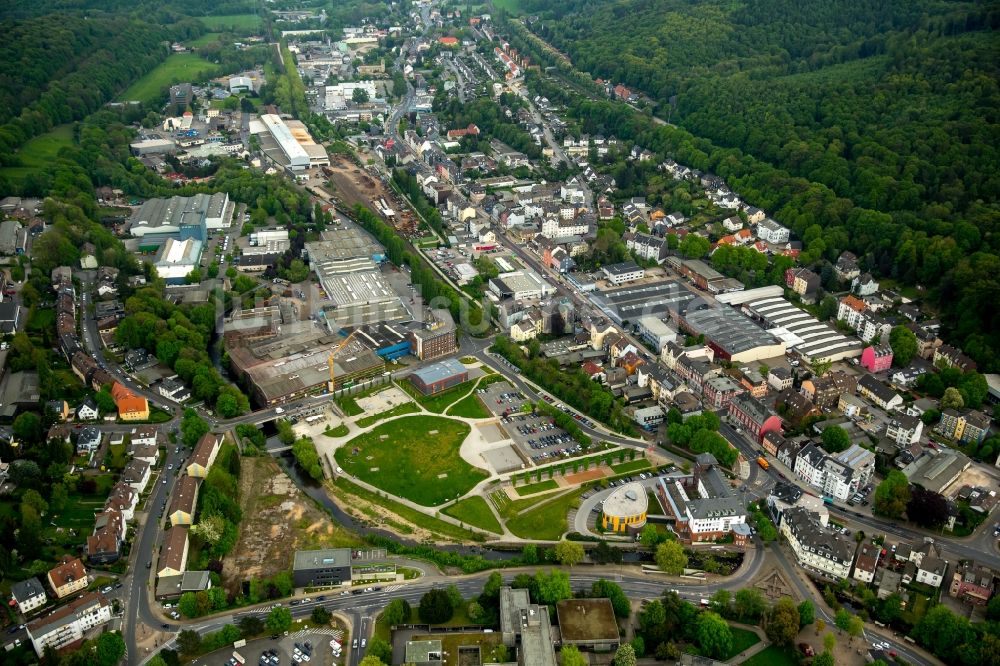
x=763 y=462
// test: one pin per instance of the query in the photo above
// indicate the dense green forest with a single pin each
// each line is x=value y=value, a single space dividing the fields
x=869 y=126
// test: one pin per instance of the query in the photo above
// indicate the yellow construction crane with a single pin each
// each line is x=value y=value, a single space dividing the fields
x=329 y=359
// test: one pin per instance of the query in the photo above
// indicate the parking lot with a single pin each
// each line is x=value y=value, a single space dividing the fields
x=536 y=435
x=302 y=647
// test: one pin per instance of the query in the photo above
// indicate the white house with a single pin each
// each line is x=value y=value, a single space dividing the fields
x=28 y=595
x=87 y=411
x=70 y=623
x=931 y=571
x=770 y=231
x=136 y=474
x=904 y=429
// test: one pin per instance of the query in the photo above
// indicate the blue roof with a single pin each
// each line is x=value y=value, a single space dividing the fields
x=439 y=371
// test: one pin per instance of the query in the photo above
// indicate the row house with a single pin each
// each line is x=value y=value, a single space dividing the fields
x=754 y=383
x=779 y=378
x=866 y=562
x=973 y=583
x=719 y=391
x=825 y=391
x=875 y=391
x=838 y=476
x=953 y=358
x=758 y=419
x=772 y=442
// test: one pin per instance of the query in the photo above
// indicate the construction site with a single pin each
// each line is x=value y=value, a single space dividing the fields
x=353 y=185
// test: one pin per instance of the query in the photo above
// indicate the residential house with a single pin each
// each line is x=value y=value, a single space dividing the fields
x=795 y=407
x=953 y=358
x=719 y=391
x=931 y=571
x=136 y=474
x=87 y=411
x=772 y=442
x=184 y=501
x=973 y=583
x=802 y=281
x=964 y=426
x=846 y=267
x=59 y=409
x=754 y=383
x=70 y=623
x=877 y=359
x=866 y=562
x=825 y=391
x=173 y=552
x=779 y=378
x=816 y=547
x=205 y=452
x=749 y=412
x=28 y=595
x=837 y=476
x=770 y=231
x=89 y=440
x=874 y=390
x=131 y=407
x=904 y=429
x=144 y=436
x=68 y=578
x=123 y=498
x=864 y=285
x=104 y=543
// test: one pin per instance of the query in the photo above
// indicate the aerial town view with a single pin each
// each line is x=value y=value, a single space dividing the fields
x=500 y=332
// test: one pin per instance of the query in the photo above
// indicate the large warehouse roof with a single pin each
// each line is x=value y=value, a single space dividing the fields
x=819 y=340
x=293 y=150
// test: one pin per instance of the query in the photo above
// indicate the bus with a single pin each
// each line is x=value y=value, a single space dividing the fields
x=763 y=462
x=828 y=500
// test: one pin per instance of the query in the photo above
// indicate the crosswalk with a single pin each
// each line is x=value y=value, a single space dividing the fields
x=334 y=633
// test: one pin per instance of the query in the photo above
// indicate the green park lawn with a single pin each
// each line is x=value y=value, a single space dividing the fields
x=414 y=457
x=337 y=431
x=471 y=407
x=231 y=22
x=40 y=151
x=773 y=655
x=438 y=401
x=742 y=639
x=474 y=511
x=532 y=488
x=638 y=465
x=545 y=521
x=177 y=68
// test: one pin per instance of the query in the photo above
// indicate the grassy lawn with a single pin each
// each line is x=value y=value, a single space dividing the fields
x=414 y=457
x=513 y=7
x=471 y=407
x=437 y=402
x=773 y=656
x=176 y=68
x=475 y=511
x=440 y=527
x=547 y=521
x=633 y=466
x=533 y=488
x=204 y=40
x=398 y=410
x=337 y=431
x=468 y=360
x=40 y=151
x=742 y=639
x=231 y=21
x=450 y=644
x=118 y=456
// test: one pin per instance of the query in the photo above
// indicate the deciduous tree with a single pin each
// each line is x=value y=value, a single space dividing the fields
x=671 y=558
x=782 y=624
x=569 y=553
x=714 y=636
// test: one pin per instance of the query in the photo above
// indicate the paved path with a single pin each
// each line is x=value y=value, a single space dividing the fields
x=753 y=649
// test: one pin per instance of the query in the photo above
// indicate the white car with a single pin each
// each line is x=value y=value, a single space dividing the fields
x=279 y=410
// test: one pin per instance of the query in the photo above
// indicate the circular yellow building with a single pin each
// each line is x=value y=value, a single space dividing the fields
x=625 y=509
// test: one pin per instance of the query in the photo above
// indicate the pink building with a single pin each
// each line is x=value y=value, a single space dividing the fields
x=877 y=359
x=751 y=414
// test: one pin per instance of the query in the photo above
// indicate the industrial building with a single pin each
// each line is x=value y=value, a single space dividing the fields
x=388 y=341
x=520 y=285
x=153 y=147
x=440 y=376
x=180 y=218
x=321 y=568
x=800 y=331
x=294 y=362
x=177 y=258
x=732 y=335
x=434 y=337
x=633 y=303
x=288 y=143
x=589 y=624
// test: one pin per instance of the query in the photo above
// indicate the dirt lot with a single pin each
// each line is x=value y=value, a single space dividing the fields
x=584 y=477
x=278 y=519
x=357 y=186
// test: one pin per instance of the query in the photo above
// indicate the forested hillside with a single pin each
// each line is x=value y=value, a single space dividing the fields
x=891 y=106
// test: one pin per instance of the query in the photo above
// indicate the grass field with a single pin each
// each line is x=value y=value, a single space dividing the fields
x=398 y=410
x=337 y=431
x=773 y=656
x=513 y=7
x=533 y=488
x=175 y=69
x=439 y=527
x=471 y=407
x=475 y=511
x=204 y=40
x=414 y=457
x=437 y=402
x=231 y=21
x=39 y=152
x=547 y=521
x=632 y=466
x=742 y=639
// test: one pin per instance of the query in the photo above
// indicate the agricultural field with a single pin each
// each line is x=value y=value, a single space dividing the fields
x=177 y=68
x=415 y=457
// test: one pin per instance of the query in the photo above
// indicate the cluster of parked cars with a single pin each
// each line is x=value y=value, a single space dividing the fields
x=302 y=652
x=510 y=397
x=269 y=658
